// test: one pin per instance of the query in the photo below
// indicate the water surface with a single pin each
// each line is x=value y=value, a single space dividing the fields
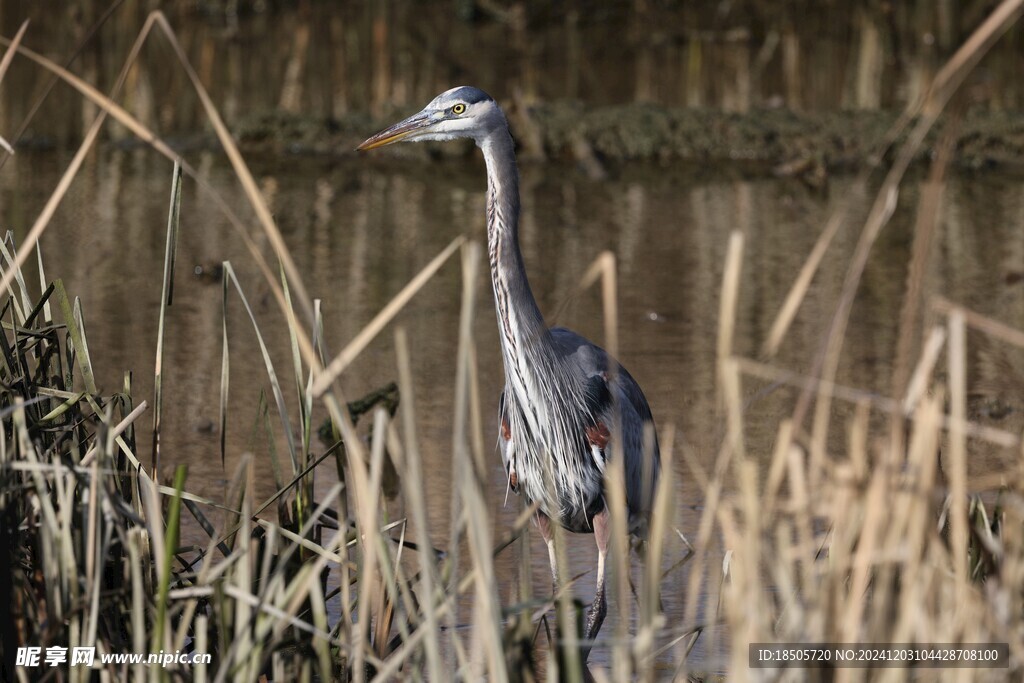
x=361 y=228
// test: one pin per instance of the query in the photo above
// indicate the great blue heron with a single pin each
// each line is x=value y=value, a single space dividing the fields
x=566 y=401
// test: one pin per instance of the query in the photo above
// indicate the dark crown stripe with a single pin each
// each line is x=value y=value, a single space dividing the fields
x=471 y=95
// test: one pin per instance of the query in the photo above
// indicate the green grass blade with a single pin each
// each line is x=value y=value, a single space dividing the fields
x=77 y=334
x=85 y=359
x=170 y=547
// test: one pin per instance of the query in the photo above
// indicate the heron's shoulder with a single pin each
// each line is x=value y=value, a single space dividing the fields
x=574 y=347
x=596 y=365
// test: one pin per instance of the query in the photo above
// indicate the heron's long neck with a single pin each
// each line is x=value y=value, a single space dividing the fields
x=521 y=324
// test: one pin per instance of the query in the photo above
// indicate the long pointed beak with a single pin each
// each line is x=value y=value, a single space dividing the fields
x=398 y=132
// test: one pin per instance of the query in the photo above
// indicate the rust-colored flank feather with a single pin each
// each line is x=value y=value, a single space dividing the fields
x=598 y=435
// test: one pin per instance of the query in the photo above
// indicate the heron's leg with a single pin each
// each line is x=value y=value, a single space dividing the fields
x=599 y=608
x=546 y=532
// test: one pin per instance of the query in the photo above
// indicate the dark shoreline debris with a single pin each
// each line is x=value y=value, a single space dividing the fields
x=775 y=139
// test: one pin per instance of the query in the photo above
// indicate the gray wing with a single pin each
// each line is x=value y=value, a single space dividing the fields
x=609 y=385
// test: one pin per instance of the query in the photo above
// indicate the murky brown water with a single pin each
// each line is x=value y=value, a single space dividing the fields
x=361 y=229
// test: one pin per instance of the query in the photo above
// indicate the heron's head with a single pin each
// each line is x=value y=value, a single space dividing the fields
x=463 y=112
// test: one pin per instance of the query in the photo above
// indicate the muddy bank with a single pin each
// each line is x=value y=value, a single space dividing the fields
x=775 y=140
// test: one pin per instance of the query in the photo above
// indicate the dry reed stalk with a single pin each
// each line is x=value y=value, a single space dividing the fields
x=918 y=383
x=863 y=558
x=651 y=622
x=777 y=465
x=618 y=559
x=801 y=508
x=366 y=514
x=741 y=534
x=790 y=617
x=166 y=298
x=923 y=461
x=661 y=517
x=414 y=487
x=603 y=268
x=732 y=448
x=982 y=323
x=733 y=397
x=5 y=62
x=727 y=306
x=383 y=604
x=712 y=489
x=859 y=429
x=802 y=284
x=957 y=474
x=469 y=464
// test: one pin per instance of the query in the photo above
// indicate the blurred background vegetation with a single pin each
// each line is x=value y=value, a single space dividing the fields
x=330 y=61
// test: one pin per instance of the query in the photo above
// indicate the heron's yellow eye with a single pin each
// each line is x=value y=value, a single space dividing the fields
x=458 y=108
